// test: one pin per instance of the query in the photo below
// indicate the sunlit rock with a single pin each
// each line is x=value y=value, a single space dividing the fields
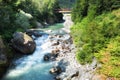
x=23 y=43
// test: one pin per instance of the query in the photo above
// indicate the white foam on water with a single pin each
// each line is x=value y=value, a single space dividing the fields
x=32 y=63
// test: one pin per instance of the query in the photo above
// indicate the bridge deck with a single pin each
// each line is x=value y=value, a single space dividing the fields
x=64 y=10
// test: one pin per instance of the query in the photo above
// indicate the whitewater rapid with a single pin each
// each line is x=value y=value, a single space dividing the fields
x=32 y=67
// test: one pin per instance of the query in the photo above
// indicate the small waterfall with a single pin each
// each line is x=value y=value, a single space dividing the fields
x=32 y=67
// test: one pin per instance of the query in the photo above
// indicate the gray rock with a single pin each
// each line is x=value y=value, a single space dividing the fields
x=23 y=43
x=39 y=25
x=75 y=74
x=50 y=57
x=56 y=70
x=36 y=33
x=55 y=43
x=46 y=57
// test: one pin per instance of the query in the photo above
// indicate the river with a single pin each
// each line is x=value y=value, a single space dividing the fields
x=32 y=67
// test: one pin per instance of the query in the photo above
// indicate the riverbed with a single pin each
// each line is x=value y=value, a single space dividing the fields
x=33 y=67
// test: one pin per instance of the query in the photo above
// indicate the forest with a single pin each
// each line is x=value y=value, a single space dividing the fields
x=19 y=15
x=96 y=33
x=66 y=3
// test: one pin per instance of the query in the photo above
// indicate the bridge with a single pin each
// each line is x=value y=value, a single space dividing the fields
x=63 y=10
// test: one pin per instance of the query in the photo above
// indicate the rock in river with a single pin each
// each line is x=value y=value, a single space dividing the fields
x=36 y=33
x=23 y=43
x=55 y=70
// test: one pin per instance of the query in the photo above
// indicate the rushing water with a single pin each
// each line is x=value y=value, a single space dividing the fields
x=33 y=67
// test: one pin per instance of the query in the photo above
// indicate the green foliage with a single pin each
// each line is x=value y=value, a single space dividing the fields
x=109 y=57
x=92 y=8
x=93 y=35
x=84 y=55
x=22 y=20
x=80 y=10
x=96 y=34
x=23 y=14
x=7 y=17
x=66 y=3
x=41 y=10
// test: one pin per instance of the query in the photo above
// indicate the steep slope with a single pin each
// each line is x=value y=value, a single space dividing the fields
x=96 y=33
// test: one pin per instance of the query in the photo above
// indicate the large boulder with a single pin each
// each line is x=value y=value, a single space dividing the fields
x=23 y=43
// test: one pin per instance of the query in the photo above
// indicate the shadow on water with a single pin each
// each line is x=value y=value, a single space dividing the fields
x=37 y=72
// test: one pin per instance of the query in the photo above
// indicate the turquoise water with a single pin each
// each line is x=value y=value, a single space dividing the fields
x=54 y=27
x=34 y=73
x=32 y=67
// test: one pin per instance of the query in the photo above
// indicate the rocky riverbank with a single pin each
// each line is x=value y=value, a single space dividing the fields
x=67 y=67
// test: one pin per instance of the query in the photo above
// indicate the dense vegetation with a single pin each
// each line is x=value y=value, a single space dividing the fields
x=96 y=34
x=92 y=8
x=23 y=14
x=66 y=3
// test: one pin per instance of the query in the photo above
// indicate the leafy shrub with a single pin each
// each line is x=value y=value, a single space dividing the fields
x=94 y=35
x=92 y=8
x=109 y=58
x=22 y=20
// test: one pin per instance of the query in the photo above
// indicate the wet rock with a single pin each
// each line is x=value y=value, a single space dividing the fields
x=75 y=75
x=55 y=43
x=50 y=56
x=63 y=64
x=46 y=57
x=56 y=70
x=59 y=36
x=23 y=43
x=56 y=51
x=36 y=33
x=51 y=37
